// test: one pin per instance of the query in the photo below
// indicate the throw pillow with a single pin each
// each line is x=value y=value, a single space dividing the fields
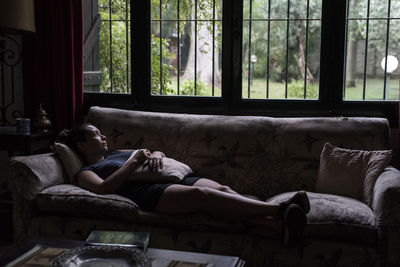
x=350 y=173
x=70 y=160
x=172 y=171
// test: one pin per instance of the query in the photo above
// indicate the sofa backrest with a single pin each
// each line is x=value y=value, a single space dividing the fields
x=263 y=156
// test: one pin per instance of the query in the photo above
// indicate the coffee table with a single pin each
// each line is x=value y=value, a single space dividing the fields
x=213 y=260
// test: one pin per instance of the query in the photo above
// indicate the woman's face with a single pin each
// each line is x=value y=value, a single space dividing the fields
x=95 y=142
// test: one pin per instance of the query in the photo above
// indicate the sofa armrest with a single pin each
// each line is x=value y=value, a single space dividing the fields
x=28 y=175
x=386 y=198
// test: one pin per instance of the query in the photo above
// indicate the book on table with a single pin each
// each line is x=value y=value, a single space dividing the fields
x=119 y=238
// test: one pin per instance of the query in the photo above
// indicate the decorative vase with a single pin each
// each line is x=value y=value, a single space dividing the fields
x=40 y=120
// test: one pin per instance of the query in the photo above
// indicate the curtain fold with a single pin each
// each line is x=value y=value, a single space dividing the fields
x=53 y=62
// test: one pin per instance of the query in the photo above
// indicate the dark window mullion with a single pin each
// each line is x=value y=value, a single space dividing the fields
x=213 y=49
x=345 y=48
x=111 y=54
x=249 y=72
x=127 y=43
x=178 y=73
x=287 y=49
x=268 y=48
x=195 y=47
x=161 y=70
x=306 y=48
x=385 y=85
x=366 y=51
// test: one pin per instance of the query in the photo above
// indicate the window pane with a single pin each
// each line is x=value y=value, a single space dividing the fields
x=114 y=44
x=169 y=9
x=259 y=9
x=392 y=79
x=279 y=9
x=186 y=52
x=104 y=9
x=281 y=55
x=378 y=8
x=370 y=41
x=119 y=9
x=298 y=9
x=105 y=64
x=357 y=8
x=374 y=81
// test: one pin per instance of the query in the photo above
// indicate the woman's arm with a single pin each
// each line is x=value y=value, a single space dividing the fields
x=92 y=182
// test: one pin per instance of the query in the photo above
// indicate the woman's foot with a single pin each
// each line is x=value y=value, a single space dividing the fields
x=300 y=198
x=294 y=222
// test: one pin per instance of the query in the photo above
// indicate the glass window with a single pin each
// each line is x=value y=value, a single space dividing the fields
x=372 y=50
x=281 y=49
x=114 y=44
x=186 y=47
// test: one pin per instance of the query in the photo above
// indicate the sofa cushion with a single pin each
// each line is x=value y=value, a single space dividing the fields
x=350 y=173
x=72 y=200
x=337 y=217
x=70 y=160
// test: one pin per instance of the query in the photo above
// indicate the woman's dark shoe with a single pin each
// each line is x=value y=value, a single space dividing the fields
x=294 y=222
x=300 y=198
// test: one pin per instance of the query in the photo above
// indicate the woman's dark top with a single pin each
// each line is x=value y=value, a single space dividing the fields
x=144 y=194
x=110 y=164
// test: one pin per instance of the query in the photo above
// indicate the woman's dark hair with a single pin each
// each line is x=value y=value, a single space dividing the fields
x=73 y=136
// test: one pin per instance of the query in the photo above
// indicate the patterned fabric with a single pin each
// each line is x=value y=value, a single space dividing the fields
x=29 y=175
x=71 y=161
x=336 y=217
x=71 y=200
x=274 y=155
x=349 y=172
x=386 y=204
x=261 y=156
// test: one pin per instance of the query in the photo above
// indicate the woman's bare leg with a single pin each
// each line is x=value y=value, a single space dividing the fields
x=204 y=182
x=181 y=199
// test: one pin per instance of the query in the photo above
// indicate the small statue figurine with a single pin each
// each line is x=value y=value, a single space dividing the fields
x=40 y=121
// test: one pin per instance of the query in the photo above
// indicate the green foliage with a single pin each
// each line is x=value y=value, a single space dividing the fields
x=377 y=27
x=278 y=32
x=119 y=47
x=160 y=77
x=188 y=88
x=296 y=90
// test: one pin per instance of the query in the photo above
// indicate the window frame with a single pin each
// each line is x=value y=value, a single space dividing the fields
x=330 y=102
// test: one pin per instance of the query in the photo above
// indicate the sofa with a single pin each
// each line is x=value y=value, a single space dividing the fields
x=262 y=157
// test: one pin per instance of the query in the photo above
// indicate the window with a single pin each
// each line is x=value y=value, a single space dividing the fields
x=186 y=47
x=270 y=57
x=281 y=49
x=372 y=50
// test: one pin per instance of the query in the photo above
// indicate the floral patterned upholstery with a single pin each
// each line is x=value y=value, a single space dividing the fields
x=262 y=156
x=337 y=217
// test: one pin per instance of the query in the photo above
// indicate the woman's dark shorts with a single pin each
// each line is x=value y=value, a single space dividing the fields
x=147 y=195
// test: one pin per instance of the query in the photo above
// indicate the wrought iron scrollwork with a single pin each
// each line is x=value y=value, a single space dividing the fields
x=10 y=57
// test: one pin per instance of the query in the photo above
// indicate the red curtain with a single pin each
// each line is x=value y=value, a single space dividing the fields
x=53 y=62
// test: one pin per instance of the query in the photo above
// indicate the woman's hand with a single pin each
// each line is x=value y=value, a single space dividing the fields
x=141 y=156
x=155 y=161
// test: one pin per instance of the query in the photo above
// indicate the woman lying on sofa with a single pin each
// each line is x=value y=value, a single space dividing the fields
x=107 y=173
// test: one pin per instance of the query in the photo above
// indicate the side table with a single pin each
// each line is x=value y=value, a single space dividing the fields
x=27 y=144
